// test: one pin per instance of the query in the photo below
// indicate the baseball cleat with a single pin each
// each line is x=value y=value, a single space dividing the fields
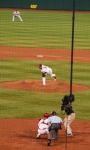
x=54 y=78
x=44 y=85
x=70 y=134
x=49 y=142
x=38 y=137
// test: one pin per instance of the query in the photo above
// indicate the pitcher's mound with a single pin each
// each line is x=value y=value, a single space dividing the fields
x=36 y=85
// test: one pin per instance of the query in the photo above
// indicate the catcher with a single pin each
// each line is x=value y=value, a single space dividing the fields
x=42 y=126
x=46 y=70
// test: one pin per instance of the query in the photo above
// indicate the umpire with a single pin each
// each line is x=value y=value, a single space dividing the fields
x=55 y=124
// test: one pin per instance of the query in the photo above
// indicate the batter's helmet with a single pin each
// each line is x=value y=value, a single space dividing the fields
x=46 y=115
x=53 y=113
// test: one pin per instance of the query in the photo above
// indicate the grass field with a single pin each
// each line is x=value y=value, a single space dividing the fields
x=44 y=29
x=48 y=30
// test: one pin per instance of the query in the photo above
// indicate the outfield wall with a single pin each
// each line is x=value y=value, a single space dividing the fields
x=46 y=4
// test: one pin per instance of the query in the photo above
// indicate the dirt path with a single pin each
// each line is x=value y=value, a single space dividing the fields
x=44 y=54
x=20 y=134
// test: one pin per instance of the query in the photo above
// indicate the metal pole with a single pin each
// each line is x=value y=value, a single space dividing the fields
x=72 y=47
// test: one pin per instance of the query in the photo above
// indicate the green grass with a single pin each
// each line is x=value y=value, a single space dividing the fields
x=44 y=29
x=49 y=30
x=15 y=103
x=21 y=104
x=16 y=69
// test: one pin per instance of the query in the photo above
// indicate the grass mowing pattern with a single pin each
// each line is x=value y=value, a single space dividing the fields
x=22 y=104
x=15 y=103
x=16 y=69
x=42 y=29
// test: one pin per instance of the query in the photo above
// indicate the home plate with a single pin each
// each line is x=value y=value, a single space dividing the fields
x=40 y=56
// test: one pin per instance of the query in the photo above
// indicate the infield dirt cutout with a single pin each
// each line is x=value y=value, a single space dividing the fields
x=20 y=134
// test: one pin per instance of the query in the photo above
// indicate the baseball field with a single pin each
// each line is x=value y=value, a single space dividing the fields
x=44 y=37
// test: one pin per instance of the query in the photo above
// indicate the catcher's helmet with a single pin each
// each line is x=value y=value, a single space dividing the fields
x=53 y=113
x=46 y=115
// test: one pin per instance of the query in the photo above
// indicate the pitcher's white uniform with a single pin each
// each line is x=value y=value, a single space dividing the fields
x=16 y=14
x=46 y=71
x=42 y=126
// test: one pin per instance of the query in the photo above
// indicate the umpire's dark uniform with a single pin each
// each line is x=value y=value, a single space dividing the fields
x=55 y=122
